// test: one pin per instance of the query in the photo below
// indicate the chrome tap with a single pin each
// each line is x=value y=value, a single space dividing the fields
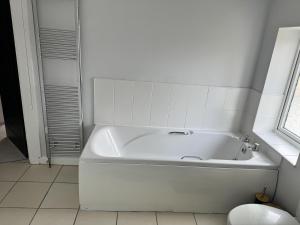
x=254 y=147
x=245 y=139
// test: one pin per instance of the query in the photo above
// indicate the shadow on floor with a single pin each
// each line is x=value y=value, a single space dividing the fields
x=9 y=152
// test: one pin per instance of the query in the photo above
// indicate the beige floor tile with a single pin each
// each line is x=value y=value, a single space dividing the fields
x=41 y=173
x=175 y=219
x=62 y=195
x=96 y=218
x=4 y=188
x=15 y=216
x=68 y=174
x=26 y=194
x=55 y=217
x=12 y=171
x=211 y=219
x=136 y=218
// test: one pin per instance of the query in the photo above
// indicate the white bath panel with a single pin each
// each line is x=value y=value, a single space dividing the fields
x=125 y=187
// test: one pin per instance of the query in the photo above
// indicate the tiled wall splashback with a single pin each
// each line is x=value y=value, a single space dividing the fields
x=137 y=103
x=262 y=112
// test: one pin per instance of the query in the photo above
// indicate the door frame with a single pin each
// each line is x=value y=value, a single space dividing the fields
x=27 y=61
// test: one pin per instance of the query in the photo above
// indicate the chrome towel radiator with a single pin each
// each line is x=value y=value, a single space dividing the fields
x=64 y=120
x=58 y=44
x=61 y=99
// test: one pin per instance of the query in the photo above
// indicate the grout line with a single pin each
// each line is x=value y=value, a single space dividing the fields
x=24 y=173
x=18 y=207
x=150 y=105
x=114 y=102
x=61 y=182
x=45 y=196
x=49 y=188
x=170 y=103
x=14 y=184
x=76 y=215
x=133 y=101
x=39 y=182
x=16 y=161
x=156 y=218
x=7 y=193
x=195 y=218
x=60 y=169
x=33 y=216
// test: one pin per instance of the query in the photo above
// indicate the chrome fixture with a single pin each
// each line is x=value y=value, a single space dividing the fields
x=192 y=157
x=254 y=147
x=245 y=139
x=181 y=132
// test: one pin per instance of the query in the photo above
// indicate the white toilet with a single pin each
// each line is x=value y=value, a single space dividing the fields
x=255 y=214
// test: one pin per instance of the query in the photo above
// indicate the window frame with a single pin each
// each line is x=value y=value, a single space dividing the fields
x=288 y=98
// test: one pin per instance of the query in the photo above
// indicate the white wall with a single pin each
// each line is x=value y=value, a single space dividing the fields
x=204 y=42
x=288 y=192
x=283 y=13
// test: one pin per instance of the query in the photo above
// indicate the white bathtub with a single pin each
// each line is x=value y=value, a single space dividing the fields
x=148 y=169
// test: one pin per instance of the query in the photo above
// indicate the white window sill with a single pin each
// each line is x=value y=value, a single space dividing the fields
x=281 y=146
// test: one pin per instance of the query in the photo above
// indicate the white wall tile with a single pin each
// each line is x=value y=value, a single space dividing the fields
x=253 y=102
x=250 y=111
x=236 y=98
x=267 y=113
x=264 y=123
x=160 y=104
x=123 y=102
x=196 y=106
x=247 y=123
x=178 y=105
x=233 y=120
x=142 y=103
x=103 y=101
x=222 y=120
x=216 y=97
x=270 y=105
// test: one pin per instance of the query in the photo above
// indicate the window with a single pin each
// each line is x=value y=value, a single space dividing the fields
x=289 y=123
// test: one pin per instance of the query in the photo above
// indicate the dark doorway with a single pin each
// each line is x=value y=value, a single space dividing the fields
x=9 y=82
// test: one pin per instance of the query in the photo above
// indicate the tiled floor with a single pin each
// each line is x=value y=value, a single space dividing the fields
x=37 y=195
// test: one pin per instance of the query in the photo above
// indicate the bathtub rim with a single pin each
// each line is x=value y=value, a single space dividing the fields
x=258 y=161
